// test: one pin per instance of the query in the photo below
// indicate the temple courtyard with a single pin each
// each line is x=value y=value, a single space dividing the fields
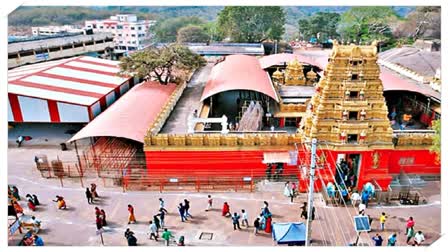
x=76 y=225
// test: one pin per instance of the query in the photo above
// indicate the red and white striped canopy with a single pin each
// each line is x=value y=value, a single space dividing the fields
x=81 y=80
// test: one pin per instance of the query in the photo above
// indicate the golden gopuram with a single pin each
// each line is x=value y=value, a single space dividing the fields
x=348 y=108
x=294 y=74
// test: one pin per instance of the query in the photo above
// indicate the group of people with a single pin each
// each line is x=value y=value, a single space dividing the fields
x=262 y=222
x=31 y=223
x=91 y=193
x=290 y=190
x=183 y=210
x=100 y=218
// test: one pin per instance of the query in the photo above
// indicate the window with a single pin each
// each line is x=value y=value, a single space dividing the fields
x=101 y=27
x=133 y=35
x=353 y=115
x=139 y=28
x=353 y=94
x=113 y=27
x=94 y=25
x=354 y=76
x=120 y=35
x=119 y=27
x=352 y=138
x=132 y=28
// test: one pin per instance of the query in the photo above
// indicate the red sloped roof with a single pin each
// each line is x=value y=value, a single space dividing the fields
x=131 y=115
x=239 y=72
x=281 y=58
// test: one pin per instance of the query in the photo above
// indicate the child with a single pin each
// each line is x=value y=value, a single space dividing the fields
x=383 y=218
x=209 y=203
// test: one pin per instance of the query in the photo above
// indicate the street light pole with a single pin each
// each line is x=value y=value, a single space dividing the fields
x=311 y=192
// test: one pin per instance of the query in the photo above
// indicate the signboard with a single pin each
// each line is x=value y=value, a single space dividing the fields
x=294 y=156
x=42 y=56
x=247 y=179
x=362 y=224
x=174 y=180
x=14 y=227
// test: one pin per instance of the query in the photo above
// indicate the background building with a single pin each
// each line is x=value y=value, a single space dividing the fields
x=56 y=30
x=129 y=33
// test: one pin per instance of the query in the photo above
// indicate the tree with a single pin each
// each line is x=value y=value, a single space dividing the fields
x=166 y=31
x=436 y=140
x=193 y=34
x=323 y=23
x=367 y=24
x=161 y=63
x=251 y=24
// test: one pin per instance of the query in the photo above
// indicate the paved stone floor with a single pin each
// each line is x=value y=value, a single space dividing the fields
x=75 y=226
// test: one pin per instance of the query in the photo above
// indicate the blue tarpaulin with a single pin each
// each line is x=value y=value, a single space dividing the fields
x=293 y=233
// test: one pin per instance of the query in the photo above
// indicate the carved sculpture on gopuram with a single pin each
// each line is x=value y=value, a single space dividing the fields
x=348 y=108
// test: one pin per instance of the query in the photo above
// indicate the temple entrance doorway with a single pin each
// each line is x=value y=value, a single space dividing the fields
x=347 y=169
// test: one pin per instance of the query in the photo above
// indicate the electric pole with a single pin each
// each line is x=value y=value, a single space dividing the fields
x=311 y=192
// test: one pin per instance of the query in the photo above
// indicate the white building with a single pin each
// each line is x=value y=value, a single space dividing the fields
x=54 y=30
x=129 y=33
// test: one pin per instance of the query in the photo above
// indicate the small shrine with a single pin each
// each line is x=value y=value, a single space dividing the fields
x=294 y=74
x=348 y=107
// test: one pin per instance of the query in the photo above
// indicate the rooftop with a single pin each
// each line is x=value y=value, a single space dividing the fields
x=227 y=48
x=80 y=80
x=54 y=42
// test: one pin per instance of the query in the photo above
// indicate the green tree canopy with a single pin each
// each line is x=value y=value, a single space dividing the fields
x=161 y=63
x=166 y=31
x=323 y=23
x=367 y=23
x=193 y=34
x=251 y=24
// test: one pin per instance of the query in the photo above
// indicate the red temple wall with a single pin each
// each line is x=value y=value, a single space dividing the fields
x=245 y=163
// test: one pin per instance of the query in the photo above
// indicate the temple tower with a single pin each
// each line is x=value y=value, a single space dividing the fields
x=294 y=74
x=348 y=109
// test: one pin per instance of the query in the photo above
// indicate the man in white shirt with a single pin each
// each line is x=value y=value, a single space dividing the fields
x=362 y=207
x=152 y=230
x=355 y=198
x=418 y=238
x=244 y=218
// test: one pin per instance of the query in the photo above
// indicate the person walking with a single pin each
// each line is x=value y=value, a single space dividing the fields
x=236 y=221
x=15 y=192
x=156 y=221
x=181 y=208
x=131 y=218
x=187 y=207
x=93 y=190
x=383 y=219
x=31 y=205
x=36 y=200
x=103 y=217
x=419 y=238
x=209 y=203
x=132 y=241
x=392 y=240
x=256 y=225
x=153 y=231
x=162 y=217
x=365 y=198
x=410 y=224
x=38 y=240
x=226 y=210
x=409 y=234
x=244 y=218
x=378 y=240
x=97 y=211
x=162 y=205
x=98 y=222
x=167 y=236
x=89 y=196
x=19 y=141
x=304 y=213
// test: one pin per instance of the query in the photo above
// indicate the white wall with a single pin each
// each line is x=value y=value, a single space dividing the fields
x=96 y=108
x=124 y=88
x=110 y=98
x=34 y=110
x=72 y=113
x=10 y=115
